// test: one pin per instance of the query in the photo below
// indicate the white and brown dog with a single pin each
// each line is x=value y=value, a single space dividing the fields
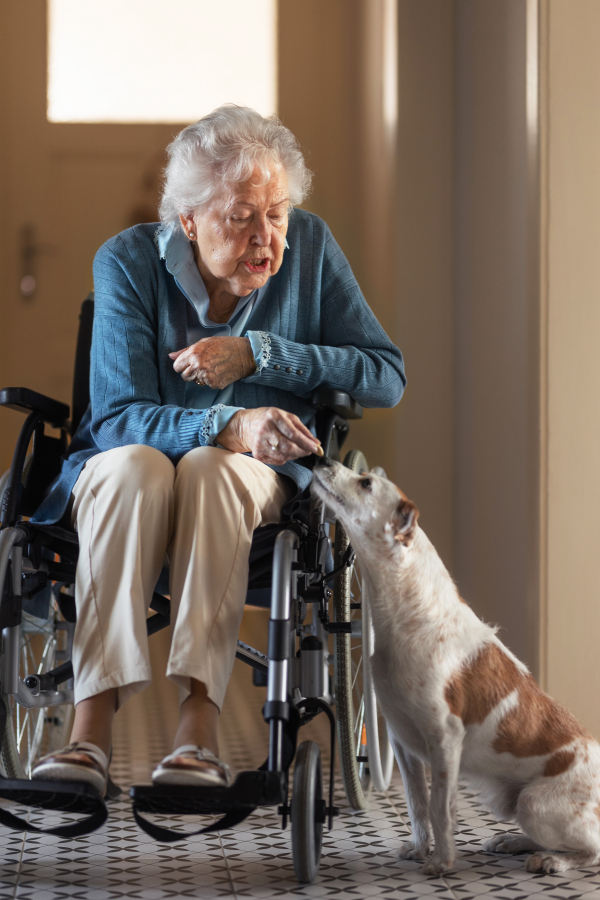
x=457 y=700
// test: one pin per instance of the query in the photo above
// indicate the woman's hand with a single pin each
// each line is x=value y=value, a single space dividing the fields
x=215 y=361
x=272 y=435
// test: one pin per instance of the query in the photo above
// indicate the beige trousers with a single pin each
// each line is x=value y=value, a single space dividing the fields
x=133 y=509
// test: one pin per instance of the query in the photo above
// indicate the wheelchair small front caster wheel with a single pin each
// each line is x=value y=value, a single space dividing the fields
x=308 y=812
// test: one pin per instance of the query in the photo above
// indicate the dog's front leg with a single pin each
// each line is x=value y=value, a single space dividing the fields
x=445 y=764
x=417 y=801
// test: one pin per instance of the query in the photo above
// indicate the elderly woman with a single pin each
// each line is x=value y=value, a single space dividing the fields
x=211 y=332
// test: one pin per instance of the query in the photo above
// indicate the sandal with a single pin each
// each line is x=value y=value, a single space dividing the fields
x=76 y=762
x=192 y=765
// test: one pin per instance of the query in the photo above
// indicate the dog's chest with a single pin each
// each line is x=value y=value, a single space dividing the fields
x=406 y=701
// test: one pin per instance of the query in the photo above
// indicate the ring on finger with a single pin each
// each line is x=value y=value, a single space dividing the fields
x=274 y=446
x=199 y=382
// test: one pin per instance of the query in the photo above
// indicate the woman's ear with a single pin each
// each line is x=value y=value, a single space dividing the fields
x=188 y=225
x=404 y=522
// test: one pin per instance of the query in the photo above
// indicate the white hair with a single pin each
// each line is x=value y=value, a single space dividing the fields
x=225 y=147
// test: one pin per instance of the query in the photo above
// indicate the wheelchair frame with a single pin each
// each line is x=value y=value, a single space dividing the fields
x=297 y=686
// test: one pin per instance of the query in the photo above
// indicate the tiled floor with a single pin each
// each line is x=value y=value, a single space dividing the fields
x=254 y=860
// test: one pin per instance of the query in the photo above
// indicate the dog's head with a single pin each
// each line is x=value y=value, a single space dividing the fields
x=369 y=507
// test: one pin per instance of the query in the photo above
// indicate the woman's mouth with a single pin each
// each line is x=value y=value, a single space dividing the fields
x=257 y=265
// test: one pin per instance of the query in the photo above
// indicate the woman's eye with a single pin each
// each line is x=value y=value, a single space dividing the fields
x=365 y=483
x=241 y=218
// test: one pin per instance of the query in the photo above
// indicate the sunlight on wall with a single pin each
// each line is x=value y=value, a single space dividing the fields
x=390 y=67
x=149 y=61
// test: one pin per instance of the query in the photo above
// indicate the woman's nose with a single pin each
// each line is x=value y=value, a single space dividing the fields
x=261 y=235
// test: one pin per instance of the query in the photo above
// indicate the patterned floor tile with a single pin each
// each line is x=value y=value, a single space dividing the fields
x=360 y=855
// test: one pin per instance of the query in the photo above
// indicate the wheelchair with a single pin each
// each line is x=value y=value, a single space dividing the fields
x=305 y=562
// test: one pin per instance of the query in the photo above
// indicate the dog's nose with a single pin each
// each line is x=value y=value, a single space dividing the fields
x=324 y=461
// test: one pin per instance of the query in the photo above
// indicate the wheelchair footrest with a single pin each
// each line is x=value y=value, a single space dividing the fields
x=61 y=796
x=249 y=790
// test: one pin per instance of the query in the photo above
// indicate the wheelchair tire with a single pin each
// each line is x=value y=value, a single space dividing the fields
x=362 y=736
x=30 y=733
x=308 y=812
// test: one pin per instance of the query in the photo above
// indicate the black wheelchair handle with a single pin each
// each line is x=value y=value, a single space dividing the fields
x=338 y=402
x=24 y=400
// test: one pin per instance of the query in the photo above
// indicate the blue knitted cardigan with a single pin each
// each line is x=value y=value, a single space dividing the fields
x=317 y=332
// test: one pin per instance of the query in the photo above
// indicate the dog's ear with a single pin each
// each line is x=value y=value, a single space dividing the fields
x=404 y=521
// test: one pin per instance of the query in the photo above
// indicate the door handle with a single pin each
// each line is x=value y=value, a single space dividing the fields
x=30 y=250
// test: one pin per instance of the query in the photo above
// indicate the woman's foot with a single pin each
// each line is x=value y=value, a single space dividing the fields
x=198 y=718
x=192 y=765
x=80 y=761
x=93 y=720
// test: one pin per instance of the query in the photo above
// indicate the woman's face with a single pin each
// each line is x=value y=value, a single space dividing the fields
x=240 y=234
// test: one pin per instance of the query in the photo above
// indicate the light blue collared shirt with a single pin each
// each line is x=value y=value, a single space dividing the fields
x=176 y=250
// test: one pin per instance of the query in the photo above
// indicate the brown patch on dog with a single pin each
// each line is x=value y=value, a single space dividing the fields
x=537 y=726
x=476 y=690
x=559 y=763
x=404 y=519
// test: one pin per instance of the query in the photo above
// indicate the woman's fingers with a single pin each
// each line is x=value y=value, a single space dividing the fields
x=277 y=455
x=280 y=436
x=184 y=359
x=272 y=435
x=187 y=365
x=190 y=374
x=297 y=424
x=223 y=360
x=297 y=434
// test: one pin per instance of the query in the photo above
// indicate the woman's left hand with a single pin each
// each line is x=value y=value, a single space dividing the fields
x=215 y=361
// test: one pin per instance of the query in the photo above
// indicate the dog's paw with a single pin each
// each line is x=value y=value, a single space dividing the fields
x=409 y=851
x=437 y=866
x=545 y=864
x=510 y=843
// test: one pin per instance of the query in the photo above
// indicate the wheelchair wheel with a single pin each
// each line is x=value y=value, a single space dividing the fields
x=3 y=483
x=308 y=812
x=366 y=756
x=32 y=732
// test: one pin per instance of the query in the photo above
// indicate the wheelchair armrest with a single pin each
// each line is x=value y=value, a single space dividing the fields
x=338 y=402
x=53 y=411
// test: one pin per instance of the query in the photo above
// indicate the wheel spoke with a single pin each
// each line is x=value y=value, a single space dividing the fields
x=360 y=719
x=348 y=668
x=28 y=730
x=357 y=671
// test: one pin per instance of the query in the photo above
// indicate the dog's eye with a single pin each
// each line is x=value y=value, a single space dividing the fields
x=365 y=483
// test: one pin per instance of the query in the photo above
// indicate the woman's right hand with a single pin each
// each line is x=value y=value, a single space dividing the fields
x=272 y=435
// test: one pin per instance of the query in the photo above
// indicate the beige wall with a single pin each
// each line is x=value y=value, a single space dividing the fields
x=571 y=184
x=495 y=424
x=398 y=243
x=527 y=328
x=424 y=263
x=330 y=96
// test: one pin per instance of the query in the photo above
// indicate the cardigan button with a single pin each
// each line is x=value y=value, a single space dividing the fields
x=299 y=371
x=277 y=367
x=189 y=413
x=289 y=370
